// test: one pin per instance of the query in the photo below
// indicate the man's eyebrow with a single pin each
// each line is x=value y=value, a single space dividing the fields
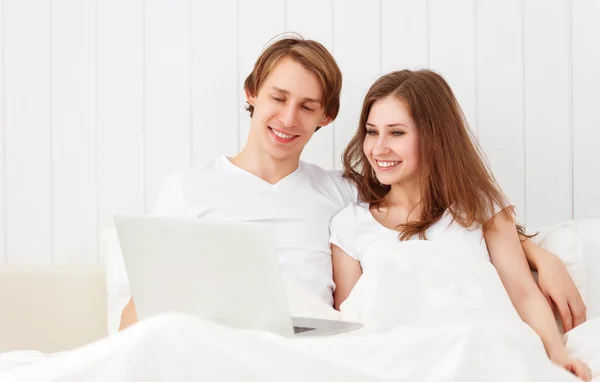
x=283 y=91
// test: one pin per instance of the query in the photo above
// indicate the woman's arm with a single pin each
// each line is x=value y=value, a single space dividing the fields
x=346 y=272
x=509 y=260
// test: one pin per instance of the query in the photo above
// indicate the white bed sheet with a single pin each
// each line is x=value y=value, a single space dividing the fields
x=430 y=315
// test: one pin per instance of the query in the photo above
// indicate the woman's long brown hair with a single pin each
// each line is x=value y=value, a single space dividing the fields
x=454 y=173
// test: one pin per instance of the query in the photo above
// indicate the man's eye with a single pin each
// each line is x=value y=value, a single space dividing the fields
x=278 y=99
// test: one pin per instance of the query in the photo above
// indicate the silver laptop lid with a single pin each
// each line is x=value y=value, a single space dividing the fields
x=226 y=272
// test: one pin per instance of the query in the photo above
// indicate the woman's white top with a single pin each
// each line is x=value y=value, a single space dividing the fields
x=356 y=232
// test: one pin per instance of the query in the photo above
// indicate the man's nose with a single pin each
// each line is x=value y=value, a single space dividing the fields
x=288 y=115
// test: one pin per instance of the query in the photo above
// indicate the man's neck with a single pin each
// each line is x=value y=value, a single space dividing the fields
x=264 y=166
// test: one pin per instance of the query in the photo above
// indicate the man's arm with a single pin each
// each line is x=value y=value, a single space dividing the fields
x=532 y=252
x=556 y=284
x=128 y=316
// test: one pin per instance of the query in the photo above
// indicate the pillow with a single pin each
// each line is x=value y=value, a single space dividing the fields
x=589 y=231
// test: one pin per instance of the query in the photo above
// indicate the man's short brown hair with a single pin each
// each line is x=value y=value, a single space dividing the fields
x=310 y=54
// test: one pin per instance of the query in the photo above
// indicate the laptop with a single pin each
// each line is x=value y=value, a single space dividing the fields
x=225 y=272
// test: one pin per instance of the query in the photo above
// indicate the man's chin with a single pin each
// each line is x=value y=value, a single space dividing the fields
x=281 y=154
x=285 y=156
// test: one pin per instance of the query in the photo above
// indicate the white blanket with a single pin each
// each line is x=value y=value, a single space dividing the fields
x=430 y=314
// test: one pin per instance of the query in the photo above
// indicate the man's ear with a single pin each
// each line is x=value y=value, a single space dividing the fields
x=325 y=121
x=249 y=98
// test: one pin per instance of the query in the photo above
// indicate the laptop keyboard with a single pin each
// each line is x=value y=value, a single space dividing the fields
x=301 y=329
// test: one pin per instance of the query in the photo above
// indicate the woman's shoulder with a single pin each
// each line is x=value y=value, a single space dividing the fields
x=351 y=213
x=346 y=228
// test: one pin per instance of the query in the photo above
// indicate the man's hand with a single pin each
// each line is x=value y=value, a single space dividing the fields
x=557 y=285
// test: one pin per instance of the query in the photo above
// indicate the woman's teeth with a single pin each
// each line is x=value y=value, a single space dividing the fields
x=386 y=164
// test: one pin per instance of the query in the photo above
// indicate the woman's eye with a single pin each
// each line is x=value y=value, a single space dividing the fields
x=278 y=99
x=371 y=132
x=398 y=133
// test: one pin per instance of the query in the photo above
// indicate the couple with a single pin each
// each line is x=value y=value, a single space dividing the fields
x=411 y=171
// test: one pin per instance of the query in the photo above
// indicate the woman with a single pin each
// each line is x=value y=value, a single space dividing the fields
x=421 y=176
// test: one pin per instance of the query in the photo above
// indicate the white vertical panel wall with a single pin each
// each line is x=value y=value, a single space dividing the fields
x=452 y=50
x=548 y=159
x=166 y=102
x=73 y=131
x=27 y=144
x=403 y=34
x=586 y=113
x=102 y=100
x=215 y=89
x=121 y=152
x=500 y=95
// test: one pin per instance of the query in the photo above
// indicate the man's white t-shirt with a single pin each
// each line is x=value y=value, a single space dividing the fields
x=298 y=209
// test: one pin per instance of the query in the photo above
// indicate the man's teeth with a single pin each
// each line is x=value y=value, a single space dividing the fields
x=386 y=164
x=281 y=135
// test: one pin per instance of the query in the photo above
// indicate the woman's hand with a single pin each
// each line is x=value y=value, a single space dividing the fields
x=580 y=369
x=557 y=285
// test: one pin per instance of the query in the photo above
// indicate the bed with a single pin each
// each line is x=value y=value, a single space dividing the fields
x=49 y=324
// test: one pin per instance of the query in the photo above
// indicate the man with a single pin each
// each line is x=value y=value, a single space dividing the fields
x=293 y=91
